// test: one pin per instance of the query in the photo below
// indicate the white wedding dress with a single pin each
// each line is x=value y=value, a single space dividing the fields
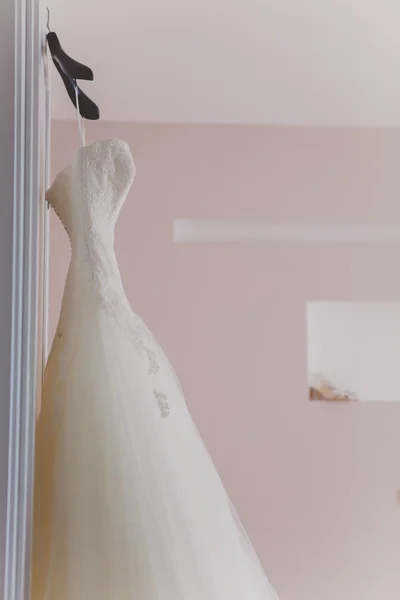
x=128 y=505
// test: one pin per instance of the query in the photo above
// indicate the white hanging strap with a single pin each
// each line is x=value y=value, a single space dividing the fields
x=82 y=136
x=81 y=127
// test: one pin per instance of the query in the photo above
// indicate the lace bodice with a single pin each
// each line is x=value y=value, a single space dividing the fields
x=87 y=195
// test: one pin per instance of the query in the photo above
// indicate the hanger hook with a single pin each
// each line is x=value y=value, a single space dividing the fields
x=48 y=18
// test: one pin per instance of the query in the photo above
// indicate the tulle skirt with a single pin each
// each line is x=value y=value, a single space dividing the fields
x=128 y=505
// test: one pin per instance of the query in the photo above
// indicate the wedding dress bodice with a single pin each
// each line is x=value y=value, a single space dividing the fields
x=87 y=196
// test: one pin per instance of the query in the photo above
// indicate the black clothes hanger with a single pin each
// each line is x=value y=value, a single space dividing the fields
x=70 y=70
x=71 y=67
x=87 y=108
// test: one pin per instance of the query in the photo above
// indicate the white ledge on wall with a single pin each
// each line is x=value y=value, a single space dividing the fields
x=198 y=231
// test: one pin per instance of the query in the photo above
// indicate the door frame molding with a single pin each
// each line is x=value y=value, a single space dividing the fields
x=24 y=355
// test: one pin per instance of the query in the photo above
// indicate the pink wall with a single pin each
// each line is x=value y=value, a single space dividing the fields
x=315 y=485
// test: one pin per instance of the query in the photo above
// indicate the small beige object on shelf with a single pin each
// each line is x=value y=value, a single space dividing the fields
x=320 y=388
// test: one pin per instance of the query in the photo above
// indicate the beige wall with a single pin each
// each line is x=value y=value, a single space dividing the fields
x=315 y=485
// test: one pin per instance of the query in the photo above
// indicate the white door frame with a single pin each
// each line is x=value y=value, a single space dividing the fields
x=21 y=43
